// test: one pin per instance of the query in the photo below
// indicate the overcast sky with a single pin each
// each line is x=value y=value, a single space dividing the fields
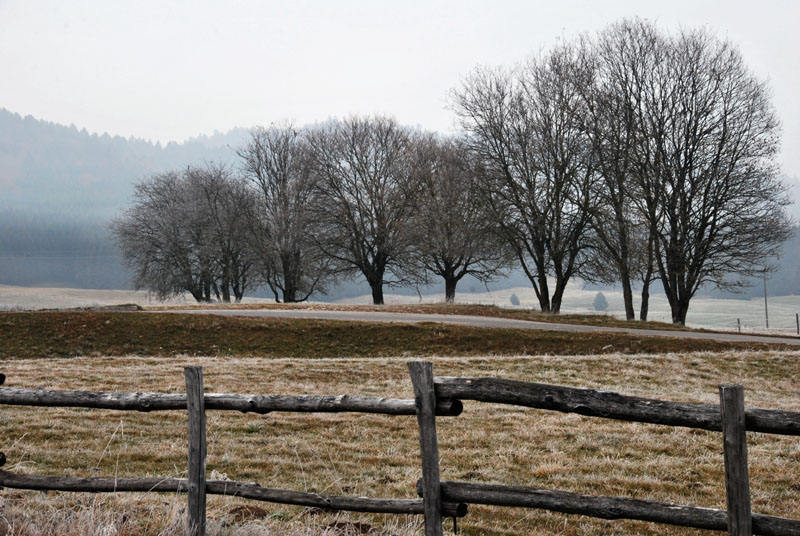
x=170 y=70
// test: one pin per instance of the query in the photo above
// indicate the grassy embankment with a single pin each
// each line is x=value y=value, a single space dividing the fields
x=61 y=334
x=447 y=309
x=370 y=455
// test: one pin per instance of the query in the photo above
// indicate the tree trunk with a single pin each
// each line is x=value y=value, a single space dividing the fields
x=555 y=304
x=289 y=273
x=237 y=291
x=677 y=293
x=679 y=311
x=290 y=295
x=676 y=313
x=374 y=276
x=226 y=293
x=558 y=295
x=648 y=277
x=627 y=293
x=377 y=293
x=624 y=260
x=225 y=284
x=544 y=293
x=645 y=300
x=197 y=294
x=450 y=283
x=678 y=304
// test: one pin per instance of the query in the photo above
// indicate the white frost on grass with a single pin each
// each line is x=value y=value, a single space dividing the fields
x=33 y=298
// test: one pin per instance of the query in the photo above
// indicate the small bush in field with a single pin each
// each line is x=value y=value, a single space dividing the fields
x=600 y=302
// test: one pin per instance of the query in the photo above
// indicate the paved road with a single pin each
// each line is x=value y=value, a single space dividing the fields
x=481 y=322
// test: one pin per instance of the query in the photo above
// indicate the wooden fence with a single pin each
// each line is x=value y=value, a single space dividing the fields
x=440 y=397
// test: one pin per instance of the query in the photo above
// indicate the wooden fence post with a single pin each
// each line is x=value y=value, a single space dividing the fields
x=196 y=521
x=737 y=479
x=425 y=400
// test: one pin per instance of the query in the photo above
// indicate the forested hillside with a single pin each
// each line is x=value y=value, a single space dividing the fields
x=60 y=187
x=53 y=170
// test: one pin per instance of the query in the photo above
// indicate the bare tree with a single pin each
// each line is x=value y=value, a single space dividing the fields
x=453 y=234
x=276 y=162
x=157 y=245
x=684 y=139
x=618 y=60
x=707 y=180
x=363 y=169
x=526 y=127
x=183 y=234
x=223 y=214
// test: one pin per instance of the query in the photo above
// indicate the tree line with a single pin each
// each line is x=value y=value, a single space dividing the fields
x=306 y=207
x=629 y=156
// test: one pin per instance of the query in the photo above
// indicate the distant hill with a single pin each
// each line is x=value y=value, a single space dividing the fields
x=51 y=170
x=60 y=187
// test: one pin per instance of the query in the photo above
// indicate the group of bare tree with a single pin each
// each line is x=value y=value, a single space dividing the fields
x=628 y=157
x=363 y=196
x=187 y=232
x=633 y=155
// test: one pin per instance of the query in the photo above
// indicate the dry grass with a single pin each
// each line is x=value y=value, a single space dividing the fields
x=62 y=334
x=107 y=515
x=378 y=455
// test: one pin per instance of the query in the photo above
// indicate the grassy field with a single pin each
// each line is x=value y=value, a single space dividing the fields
x=378 y=456
x=367 y=455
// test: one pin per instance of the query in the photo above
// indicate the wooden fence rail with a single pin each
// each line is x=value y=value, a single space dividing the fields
x=593 y=403
x=440 y=397
x=245 y=490
x=607 y=507
x=146 y=402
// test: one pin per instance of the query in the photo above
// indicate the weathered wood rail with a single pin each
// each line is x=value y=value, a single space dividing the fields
x=593 y=403
x=440 y=397
x=263 y=404
x=607 y=507
x=246 y=490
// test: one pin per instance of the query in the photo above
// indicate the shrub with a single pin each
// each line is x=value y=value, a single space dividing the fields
x=600 y=303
